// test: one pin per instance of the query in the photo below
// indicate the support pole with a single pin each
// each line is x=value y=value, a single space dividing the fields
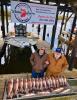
x=38 y=29
x=44 y=30
x=6 y=18
x=59 y=43
x=2 y=20
x=47 y=2
x=62 y=22
x=74 y=24
x=66 y=21
x=54 y=30
x=41 y=1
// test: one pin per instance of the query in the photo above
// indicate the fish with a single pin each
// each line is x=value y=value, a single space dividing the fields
x=48 y=82
x=57 y=82
x=65 y=91
x=9 y=88
x=54 y=82
x=57 y=90
x=51 y=82
x=40 y=84
x=37 y=84
x=33 y=84
x=60 y=81
x=65 y=81
x=21 y=85
x=44 y=84
x=25 y=86
x=15 y=87
x=30 y=84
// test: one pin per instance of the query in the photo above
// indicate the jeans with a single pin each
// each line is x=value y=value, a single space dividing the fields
x=37 y=74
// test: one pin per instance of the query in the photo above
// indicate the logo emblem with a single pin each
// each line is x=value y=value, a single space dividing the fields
x=22 y=12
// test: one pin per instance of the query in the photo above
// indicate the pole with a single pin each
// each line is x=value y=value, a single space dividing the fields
x=54 y=30
x=44 y=30
x=2 y=20
x=66 y=21
x=62 y=22
x=6 y=17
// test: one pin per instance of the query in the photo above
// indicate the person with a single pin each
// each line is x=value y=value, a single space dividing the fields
x=57 y=63
x=73 y=59
x=39 y=62
x=64 y=36
x=72 y=50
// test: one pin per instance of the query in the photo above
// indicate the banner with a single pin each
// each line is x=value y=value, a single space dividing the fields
x=22 y=12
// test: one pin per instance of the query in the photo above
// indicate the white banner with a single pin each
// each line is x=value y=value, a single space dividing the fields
x=22 y=12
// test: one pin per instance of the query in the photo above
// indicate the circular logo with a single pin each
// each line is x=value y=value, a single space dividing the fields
x=22 y=12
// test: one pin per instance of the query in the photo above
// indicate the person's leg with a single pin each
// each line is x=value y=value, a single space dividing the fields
x=71 y=64
x=71 y=61
x=41 y=74
x=34 y=74
x=75 y=62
